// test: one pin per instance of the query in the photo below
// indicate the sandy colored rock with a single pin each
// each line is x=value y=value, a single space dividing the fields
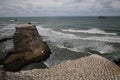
x=28 y=47
x=92 y=67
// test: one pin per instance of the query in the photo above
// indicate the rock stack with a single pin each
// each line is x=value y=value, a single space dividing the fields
x=28 y=47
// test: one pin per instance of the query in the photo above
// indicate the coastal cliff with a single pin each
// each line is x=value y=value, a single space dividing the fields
x=92 y=67
x=28 y=47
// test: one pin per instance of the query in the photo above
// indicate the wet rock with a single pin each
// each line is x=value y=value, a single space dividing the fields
x=28 y=47
x=117 y=61
x=5 y=39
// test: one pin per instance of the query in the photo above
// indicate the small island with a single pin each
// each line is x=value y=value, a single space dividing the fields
x=101 y=17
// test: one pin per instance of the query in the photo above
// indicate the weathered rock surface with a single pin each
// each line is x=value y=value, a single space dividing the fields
x=28 y=47
x=92 y=67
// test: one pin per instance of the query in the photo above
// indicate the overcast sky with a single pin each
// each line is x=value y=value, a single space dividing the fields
x=13 y=8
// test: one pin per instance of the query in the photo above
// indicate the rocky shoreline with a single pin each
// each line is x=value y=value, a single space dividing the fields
x=29 y=48
x=92 y=67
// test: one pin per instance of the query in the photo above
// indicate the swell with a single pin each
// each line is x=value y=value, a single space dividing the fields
x=54 y=36
x=89 y=31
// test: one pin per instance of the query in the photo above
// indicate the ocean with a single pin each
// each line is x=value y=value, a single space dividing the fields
x=69 y=38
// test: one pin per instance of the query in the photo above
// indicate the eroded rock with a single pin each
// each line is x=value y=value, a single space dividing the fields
x=28 y=47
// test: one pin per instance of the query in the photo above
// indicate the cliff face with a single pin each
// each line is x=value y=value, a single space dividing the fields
x=28 y=47
x=92 y=67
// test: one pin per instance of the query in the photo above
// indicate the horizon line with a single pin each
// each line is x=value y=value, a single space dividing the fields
x=54 y=16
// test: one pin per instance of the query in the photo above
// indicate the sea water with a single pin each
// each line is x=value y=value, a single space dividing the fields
x=69 y=38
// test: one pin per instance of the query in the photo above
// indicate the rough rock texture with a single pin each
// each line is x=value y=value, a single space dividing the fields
x=28 y=47
x=26 y=37
x=93 y=67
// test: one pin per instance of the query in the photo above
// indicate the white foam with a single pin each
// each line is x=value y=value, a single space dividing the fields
x=96 y=43
x=34 y=22
x=43 y=31
x=75 y=48
x=55 y=35
x=82 y=46
x=102 y=47
x=8 y=30
x=90 y=31
x=113 y=39
x=12 y=20
x=46 y=64
x=65 y=35
x=102 y=52
x=9 y=27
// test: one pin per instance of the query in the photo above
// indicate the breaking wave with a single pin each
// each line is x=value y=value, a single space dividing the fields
x=78 y=44
x=7 y=31
x=113 y=39
x=57 y=35
x=90 y=31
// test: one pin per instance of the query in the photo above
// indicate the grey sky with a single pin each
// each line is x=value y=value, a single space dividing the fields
x=59 y=8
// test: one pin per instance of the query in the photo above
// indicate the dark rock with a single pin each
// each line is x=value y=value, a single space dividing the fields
x=28 y=47
x=16 y=19
x=101 y=17
x=40 y=65
x=117 y=62
x=29 y=22
x=5 y=48
x=5 y=39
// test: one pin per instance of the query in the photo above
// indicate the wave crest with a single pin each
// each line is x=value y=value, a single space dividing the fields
x=90 y=31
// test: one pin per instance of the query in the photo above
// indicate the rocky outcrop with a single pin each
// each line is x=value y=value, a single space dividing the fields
x=92 y=67
x=28 y=47
x=101 y=17
x=5 y=39
x=117 y=61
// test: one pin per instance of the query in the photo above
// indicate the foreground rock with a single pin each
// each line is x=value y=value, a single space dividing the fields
x=28 y=47
x=93 y=67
